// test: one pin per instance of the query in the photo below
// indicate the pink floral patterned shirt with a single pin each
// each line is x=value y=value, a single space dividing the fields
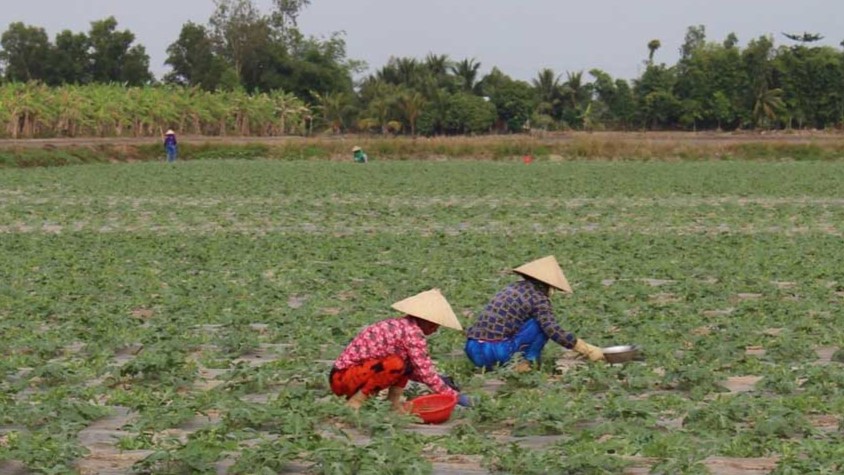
x=396 y=336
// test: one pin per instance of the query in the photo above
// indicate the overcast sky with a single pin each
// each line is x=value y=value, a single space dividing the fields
x=518 y=36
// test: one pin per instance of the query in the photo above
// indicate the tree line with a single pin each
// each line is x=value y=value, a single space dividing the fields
x=254 y=58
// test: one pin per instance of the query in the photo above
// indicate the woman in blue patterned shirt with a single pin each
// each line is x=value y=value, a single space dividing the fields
x=520 y=319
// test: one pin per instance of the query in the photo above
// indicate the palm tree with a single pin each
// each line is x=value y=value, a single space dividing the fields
x=380 y=98
x=768 y=104
x=332 y=107
x=408 y=70
x=467 y=72
x=380 y=108
x=438 y=64
x=411 y=104
x=575 y=89
x=388 y=73
x=547 y=88
x=653 y=45
x=400 y=71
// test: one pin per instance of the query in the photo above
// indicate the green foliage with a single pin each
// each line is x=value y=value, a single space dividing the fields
x=265 y=52
x=514 y=103
x=113 y=59
x=217 y=152
x=459 y=113
x=713 y=86
x=193 y=60
x=699 y=381
x=135 y=290
x=43 y=452
x=25 y=52
x=400 y=453
x=159 y=363
x=268 y=458
x=116 y=111
x=103 y=55
x=811 y=84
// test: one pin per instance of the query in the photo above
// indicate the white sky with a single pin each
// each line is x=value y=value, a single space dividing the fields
x=518 y=36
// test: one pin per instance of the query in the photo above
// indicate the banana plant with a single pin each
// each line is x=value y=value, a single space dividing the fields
x=33 y=109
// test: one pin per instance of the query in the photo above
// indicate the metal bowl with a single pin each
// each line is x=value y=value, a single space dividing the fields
x=621 y=353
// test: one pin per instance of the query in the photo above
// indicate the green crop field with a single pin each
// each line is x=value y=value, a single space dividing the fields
x=183 y=319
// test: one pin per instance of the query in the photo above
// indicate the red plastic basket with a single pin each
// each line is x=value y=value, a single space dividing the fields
x=433 y=408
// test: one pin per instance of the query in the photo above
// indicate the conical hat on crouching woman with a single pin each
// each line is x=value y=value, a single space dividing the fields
x=546 y=270
x=432 y=306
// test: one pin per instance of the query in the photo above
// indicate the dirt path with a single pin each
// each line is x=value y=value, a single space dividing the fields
x=137 y=141
x=677 y=137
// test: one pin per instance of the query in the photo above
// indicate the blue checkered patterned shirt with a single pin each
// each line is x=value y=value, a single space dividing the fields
x=511 y=308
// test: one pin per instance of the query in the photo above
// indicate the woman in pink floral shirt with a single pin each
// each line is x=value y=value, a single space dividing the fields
x=387 y=354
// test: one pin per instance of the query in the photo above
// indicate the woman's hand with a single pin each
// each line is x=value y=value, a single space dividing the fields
x=465 y=401
x=592 y=352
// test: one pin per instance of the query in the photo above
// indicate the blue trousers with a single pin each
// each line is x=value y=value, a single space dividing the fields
x=171 y=153
x=529 y=341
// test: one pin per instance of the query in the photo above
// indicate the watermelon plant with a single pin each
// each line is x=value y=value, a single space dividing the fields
x=193 y=313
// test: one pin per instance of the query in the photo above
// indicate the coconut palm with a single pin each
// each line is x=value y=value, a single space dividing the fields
x=768 y=104
x=411 y=104
x=438 y=64
x=332 y=107
x=653 y=45
x=380 y=98
x=547 y=88
x=574 y=88
x=380 y=109
x=467 y=72
x=409 y=71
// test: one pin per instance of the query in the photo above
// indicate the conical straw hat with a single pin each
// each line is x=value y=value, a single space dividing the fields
x=432 y=306
x=546 y=270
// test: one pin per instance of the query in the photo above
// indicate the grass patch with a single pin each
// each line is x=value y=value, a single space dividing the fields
x=598 y=146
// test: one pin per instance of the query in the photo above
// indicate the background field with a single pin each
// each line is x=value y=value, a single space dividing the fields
x=185 y=317
x=555 y=147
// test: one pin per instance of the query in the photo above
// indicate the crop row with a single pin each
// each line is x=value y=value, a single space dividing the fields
x=210 y=348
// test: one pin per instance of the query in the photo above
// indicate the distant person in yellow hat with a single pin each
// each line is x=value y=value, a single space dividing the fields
x=359 y=155
x=388 y=354
x=520 y=319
